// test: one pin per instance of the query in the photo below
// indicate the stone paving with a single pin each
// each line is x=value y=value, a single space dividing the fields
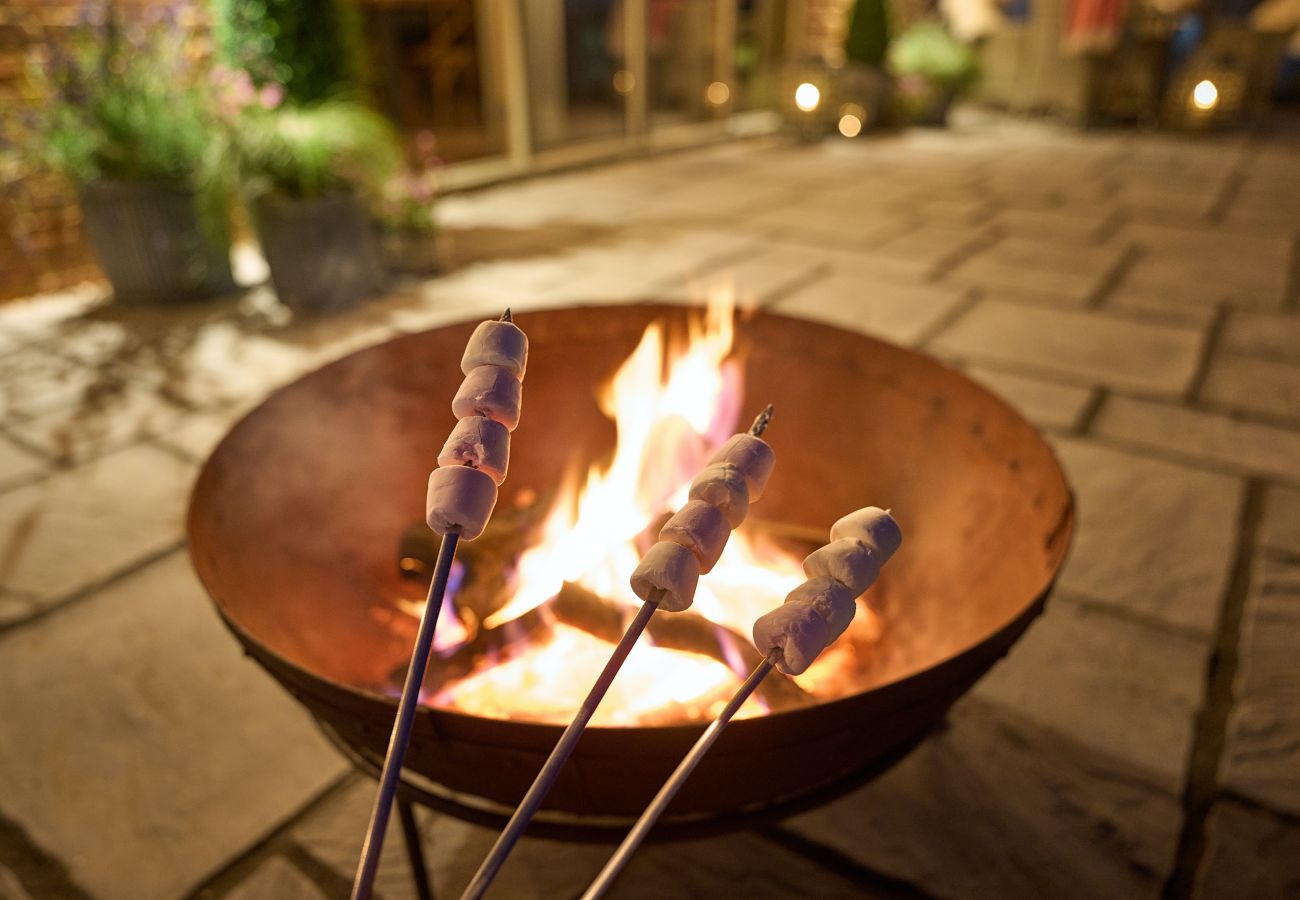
x=1135 y=295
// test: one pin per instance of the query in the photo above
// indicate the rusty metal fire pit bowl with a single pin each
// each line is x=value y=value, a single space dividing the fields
x=295 y=518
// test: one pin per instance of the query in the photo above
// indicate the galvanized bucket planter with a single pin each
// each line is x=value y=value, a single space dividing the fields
x=321 y=250
x=150 y=243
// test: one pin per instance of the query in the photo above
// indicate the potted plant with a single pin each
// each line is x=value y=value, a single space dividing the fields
x=308 y=173
x=120 y=111
x=405 y=217
x=932 y=67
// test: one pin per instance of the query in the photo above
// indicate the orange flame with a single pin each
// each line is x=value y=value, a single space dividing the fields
x=669 y=421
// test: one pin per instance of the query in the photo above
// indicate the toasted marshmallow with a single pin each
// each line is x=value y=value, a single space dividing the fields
x=723 y=486
x=480 y=442
x=832 y=600
x=847 y=560
x=796 y=629
x=671 y=569
x=497 y=343
x=701 y=528
x=752 y=456
x=875 y=527
x=460 y=497
x=490 y=391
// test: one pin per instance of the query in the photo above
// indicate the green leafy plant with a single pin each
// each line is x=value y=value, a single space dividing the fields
x=311 y=151
x=313 y=48
x=117 y=101
x=929 y=52
x=406 y=198
x=121 y=100
x=867 y=39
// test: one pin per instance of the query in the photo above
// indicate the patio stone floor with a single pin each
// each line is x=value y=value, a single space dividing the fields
x=1136 y=295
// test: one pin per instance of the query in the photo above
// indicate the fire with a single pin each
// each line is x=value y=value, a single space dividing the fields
x=672 y=406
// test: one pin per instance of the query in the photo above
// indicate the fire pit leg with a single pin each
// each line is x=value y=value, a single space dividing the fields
x=414 y=849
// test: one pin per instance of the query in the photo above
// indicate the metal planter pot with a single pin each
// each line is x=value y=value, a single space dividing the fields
x=408 y=252
x=321 y=250
x=150 y=243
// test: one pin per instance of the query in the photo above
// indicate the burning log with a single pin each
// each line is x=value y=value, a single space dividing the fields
x=575 y=605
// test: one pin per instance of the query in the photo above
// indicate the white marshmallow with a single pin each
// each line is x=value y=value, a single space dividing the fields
x=460 y=497
x=700 y=528
x=847 y=560
x=496 y=343
x=752 y=456
x=875 y=527
x=490 y=391
x=670 y=568
x=797 y=630
x=481 y=442
x=723 y=486
x=832 y=600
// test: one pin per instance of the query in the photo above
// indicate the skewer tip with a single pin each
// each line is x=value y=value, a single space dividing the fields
x=761 y=423
x=506 y=316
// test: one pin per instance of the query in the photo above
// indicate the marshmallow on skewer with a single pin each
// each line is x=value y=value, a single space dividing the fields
x=701 y=528
x=832 y=601
x=847 y=560
x=875 y=527
x=497 y=343
x=460 y=497
x=671 y=569
x=798 y=630
x=835 y=572
x=752 y=456
x=491 y=391
x=480 y=442
x=723 y=485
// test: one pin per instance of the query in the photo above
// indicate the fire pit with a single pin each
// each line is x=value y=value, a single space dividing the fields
x=295 y=520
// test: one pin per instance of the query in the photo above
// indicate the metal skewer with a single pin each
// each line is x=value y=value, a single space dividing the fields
x=559 y=756
x=546 y=778
x=605 y=880
x=367 y=867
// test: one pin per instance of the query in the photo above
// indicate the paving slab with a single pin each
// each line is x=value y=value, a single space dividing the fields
x=80 y=526
x=1261 y=758
x=1254 y=386
x=1086 y=673
x=1155 y=539
x=1202 y=436
x=737 y=865
x=1047 y=404
x=100 y=421
x=136 y=730
x=277 y=879
x=1249 y=853
x=18 y=464
x=1089 y=347
x=332 y=833
x=1271 y=335
x=902 y=314
x=1280 y=530
x=994 y=806
x=1051 y=225
x=34 y=380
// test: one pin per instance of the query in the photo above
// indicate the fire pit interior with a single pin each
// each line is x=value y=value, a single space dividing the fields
x=298 y=517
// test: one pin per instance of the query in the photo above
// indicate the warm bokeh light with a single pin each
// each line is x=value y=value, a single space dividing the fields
x=717 y=93
x=624 y=81
x=807 y=96
x=1205 y=95
x=852 y=117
